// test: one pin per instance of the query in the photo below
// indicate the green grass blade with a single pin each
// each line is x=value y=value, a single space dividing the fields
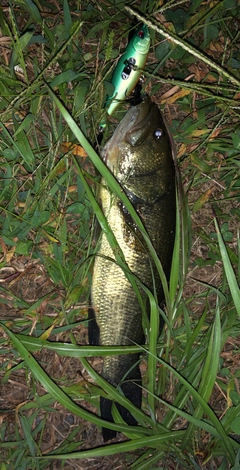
x=70 y=350
x=205 y=408
x=232 y=281
x=120 y=447
x=209 y=373
x=62 y=397
x=152 y=357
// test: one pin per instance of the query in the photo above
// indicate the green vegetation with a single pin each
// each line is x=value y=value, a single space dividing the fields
x=56 y=60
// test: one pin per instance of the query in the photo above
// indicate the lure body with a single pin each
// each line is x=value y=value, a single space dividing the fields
x=129 y=68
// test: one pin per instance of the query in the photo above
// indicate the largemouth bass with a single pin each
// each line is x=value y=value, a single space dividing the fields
x=139 y=154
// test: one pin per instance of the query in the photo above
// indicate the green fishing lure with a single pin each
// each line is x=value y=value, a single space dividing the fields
x=129 y=68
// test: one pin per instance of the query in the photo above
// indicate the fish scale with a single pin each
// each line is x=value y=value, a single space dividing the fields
x=139 y=154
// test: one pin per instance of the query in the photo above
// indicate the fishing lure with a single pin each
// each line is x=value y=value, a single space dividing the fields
x=129 y=68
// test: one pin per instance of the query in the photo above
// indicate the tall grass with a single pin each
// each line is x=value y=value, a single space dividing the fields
x=55 y=66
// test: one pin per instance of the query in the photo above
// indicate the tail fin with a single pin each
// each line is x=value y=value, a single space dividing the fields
x=133 y=392
x=93 y=328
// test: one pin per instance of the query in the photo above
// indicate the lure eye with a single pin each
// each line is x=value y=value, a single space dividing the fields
x=141 y=34
x=158 y=133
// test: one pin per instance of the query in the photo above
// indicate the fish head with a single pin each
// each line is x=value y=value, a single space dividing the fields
x=140 y=151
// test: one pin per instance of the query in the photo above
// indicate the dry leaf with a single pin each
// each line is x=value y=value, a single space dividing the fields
x=182 y=150
x=77 y=150
x=176 y=96
x=199 y=132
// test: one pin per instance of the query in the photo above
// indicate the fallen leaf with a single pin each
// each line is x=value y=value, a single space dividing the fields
x=202 y=200
x=176 y=96
x=77 y=150
x=182 y=150
x=199 y=132
x=215 y=133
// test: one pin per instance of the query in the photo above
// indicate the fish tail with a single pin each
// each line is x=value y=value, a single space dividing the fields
x=132 y=391
x=93 y=328
x=106 y=413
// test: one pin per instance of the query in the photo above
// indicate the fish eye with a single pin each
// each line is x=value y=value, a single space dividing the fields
x=158 y=133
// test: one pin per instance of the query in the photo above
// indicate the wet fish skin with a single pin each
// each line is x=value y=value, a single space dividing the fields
x=139 y=154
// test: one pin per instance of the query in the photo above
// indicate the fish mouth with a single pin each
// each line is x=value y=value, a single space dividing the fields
x=138 y=114
x=132 y=130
